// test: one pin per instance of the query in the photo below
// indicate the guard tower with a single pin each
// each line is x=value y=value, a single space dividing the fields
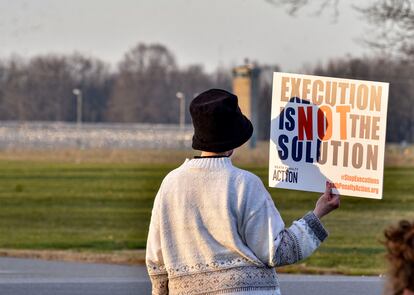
x=246 y=87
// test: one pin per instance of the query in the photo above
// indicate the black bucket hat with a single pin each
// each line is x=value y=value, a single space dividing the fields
x=219 y=125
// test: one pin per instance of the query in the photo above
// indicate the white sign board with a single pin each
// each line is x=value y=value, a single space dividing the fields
x=328 y=130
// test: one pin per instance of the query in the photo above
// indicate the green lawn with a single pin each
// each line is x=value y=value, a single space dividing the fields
x=104 y=207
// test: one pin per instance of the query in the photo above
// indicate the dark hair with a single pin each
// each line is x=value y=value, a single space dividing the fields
x=399 y=243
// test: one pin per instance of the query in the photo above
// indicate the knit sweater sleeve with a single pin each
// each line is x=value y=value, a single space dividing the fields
x=154 y=256
x=299 y=241
x=274 y=244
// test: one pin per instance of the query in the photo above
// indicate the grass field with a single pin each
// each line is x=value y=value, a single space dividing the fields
x=106 y=207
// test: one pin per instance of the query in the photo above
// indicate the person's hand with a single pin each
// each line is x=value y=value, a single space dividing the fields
x=326 y=203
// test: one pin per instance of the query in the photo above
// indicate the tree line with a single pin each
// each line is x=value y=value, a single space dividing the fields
x=143 y=87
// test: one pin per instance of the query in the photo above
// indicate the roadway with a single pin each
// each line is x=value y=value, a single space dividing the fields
x=37 y=277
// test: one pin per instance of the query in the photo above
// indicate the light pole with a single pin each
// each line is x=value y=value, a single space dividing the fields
x=181 y=97
x=78 y=93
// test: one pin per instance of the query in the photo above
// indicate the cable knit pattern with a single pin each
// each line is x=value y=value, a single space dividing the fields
x=215 y=230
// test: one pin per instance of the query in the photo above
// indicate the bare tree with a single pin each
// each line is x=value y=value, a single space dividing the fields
x=14 y=78
x=142 y=91
x=41 y=88
x=222 y=78
x=393 y=21
x=294 y=6
x=48 y=89
x=146 y=84
x=94 y=78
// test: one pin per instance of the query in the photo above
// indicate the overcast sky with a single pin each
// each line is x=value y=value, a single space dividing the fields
x=210 y=32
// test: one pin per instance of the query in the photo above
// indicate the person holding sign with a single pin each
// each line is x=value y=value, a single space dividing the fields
x=214 y=227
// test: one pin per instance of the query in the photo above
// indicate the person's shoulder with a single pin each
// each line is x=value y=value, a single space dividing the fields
x=174 y=174
x=247 y=177
x=254 y=193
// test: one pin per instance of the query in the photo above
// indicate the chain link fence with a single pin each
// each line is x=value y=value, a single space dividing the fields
x=58 y=135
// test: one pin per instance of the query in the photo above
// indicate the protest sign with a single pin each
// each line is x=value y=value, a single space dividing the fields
x=328 y=130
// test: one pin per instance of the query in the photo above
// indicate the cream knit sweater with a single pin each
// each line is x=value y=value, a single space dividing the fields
x=215 y=230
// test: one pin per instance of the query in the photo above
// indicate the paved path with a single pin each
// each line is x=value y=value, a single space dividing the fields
x=37 y=277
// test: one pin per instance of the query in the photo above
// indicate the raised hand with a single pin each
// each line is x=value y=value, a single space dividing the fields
x=326 y=203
